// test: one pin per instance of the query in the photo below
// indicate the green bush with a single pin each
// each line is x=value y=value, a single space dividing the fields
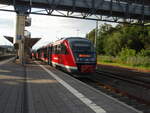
x=107 y=59
x=128 y=57
x=125 y=54
x=138 y=61
x=144 y=53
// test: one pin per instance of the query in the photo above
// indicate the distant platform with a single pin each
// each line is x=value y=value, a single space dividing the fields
x=36 y=88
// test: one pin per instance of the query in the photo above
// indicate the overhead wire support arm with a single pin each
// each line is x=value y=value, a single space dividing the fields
x=49 y=11
x=69 y=13
x=52 y=6
x=93 y=8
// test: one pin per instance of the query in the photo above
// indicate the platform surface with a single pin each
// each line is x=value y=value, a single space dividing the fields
x=36 y=88
x=11 y=87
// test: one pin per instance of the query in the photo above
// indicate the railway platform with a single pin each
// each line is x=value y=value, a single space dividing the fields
x=36 y=88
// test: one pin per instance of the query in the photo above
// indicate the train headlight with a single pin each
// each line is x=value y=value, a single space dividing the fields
x=93 y=59
x=87 y=59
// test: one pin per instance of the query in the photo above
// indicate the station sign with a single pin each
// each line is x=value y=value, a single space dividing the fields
x=18 y=37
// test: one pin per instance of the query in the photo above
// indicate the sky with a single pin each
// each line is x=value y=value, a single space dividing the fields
x=48 y=28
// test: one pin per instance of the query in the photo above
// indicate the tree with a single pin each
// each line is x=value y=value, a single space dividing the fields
x=111 y=40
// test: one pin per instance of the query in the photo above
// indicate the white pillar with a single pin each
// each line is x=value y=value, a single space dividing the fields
x=20 y=27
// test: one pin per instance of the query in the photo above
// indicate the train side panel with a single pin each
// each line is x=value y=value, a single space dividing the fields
x=75 y=55
x=63 y=58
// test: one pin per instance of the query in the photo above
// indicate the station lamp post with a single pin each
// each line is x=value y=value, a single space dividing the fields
x=96 y=34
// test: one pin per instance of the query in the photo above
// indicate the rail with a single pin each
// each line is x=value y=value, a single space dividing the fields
x=3 y=57
x=137 y=81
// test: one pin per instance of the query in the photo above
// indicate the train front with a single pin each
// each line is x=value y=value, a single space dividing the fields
x=84 y=55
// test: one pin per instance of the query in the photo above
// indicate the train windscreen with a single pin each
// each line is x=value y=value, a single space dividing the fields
x=83 y=50
x=82 y=46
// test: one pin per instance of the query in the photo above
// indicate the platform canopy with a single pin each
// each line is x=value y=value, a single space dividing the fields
x=29 y=41
x=9 y=38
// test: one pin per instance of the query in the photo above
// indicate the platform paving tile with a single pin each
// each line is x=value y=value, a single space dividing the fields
x=30 y=89
x=49 y=96
x=11 y=102
x=108 y=103
x=11 y=88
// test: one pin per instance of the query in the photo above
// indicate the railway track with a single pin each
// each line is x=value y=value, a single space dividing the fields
x=3 y=57
x=133 y=91
x=134 y=80
x=134 y=88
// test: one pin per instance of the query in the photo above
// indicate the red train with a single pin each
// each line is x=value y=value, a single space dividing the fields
x=72 y=54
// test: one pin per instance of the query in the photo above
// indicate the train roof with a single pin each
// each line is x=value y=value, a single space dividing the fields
x=71 y=38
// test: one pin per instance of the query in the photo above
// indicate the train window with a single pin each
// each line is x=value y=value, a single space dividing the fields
x=55 y=49
x=49 y=50
x=58 y=49
x=52 y=49
x=63 y=49
x=45 y=52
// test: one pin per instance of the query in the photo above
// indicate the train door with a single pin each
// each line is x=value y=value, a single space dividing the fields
x=49 y=54
x=59 y=54
x=64 y=54
x=54 y=56
x=45 y=54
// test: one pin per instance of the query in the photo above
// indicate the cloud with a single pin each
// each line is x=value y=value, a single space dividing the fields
x=50 y=25
x=7 y=23
x=51 y=28
x=47 y=27
x=4 y=41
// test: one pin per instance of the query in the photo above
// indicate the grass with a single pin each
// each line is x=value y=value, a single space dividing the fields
x=109 y=60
